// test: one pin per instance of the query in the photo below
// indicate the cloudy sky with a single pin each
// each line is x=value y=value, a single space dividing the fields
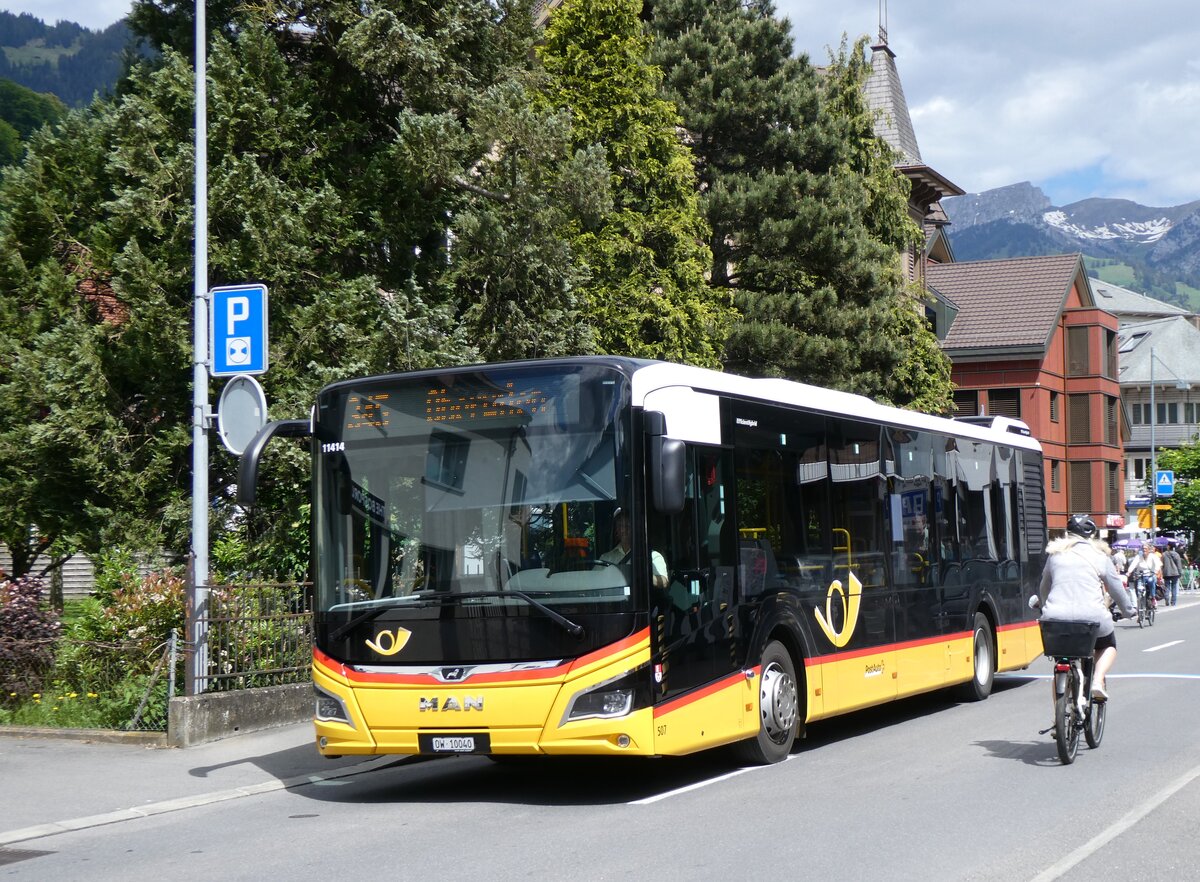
x=1081 y=97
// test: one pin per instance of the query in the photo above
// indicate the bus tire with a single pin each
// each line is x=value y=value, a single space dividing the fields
x=983 y=661
x=778 y=706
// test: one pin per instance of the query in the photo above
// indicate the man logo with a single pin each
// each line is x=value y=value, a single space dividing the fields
x=389 y=642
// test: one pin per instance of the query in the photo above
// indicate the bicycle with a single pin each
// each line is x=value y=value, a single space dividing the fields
x=1146 y=604
x=1072 y=646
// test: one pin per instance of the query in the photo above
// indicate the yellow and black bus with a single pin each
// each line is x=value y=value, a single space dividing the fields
x=611 y=556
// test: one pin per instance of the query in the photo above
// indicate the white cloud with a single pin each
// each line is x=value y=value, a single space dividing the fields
x=1001 y=93
x=1100 y=92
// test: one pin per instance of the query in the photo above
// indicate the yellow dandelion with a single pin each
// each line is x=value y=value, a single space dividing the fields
x=37 y=695
x=73 y=695
x=92 y=695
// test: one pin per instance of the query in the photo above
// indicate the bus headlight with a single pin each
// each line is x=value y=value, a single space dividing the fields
x=613 y=698
x=330 y=707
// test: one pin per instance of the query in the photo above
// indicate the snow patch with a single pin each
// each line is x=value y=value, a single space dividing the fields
x=1139 y=231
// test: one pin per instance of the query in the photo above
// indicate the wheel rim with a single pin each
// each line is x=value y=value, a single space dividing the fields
x=778 y=702
x=983 y=656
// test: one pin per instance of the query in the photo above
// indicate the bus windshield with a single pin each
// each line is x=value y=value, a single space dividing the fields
x=486 y=487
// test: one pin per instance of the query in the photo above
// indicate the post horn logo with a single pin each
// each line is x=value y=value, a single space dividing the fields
x=389 y=642
x=849 y=611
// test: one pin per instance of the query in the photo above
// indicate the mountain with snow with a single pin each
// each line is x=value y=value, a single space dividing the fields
x=1160 y=247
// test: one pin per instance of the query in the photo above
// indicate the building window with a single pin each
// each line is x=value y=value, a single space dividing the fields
x=1110 y=420
x=1005 y=402
x=1168 y=412
x=966 y=402
x=1055 y=476
x=1079 y=419
x=1111 y=370
x=1189 y=413
x=1078 y=356
x=1054 y=407
x=1079 y=495
x=1112 y=488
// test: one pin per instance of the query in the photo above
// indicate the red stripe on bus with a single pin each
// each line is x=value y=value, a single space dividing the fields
x=703 y=692
x=1016 y=626
x=496 y=677
x=907 y=644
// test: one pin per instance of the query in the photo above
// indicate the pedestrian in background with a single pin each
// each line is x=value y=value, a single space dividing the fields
x=1172 y=569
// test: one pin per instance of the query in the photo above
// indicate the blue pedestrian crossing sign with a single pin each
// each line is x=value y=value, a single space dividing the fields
x=1164 y=483
x=238 y=329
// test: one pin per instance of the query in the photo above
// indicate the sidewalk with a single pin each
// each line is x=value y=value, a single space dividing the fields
x=54 y=784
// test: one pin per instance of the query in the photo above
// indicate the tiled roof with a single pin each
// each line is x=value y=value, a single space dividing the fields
x=1006 y=304
x=1175 y=343
x=1129 y=305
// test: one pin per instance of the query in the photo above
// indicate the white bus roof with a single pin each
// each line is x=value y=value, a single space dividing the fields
x=663 y=375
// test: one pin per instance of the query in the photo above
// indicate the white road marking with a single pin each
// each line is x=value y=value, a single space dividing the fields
x=1111 y=834
x=658 y=797
x=1162 y=646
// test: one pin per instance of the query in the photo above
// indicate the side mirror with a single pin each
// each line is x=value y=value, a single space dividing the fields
x=667 y=466
x=247 y=490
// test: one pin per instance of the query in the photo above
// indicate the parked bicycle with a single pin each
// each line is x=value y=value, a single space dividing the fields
x=1071 y=646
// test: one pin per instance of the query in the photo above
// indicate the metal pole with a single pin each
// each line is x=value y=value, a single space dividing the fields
x=200 y=411
x=1153 y=456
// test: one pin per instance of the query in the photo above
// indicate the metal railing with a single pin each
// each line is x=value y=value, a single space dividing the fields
x=255 y=635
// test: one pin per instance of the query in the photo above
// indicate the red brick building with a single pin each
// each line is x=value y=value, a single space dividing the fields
x=1029 y=341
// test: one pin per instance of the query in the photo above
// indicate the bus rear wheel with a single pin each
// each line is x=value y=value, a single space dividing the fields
x=779 y=709
x=983 y=661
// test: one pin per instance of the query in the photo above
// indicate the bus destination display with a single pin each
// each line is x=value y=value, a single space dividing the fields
x=450 y=405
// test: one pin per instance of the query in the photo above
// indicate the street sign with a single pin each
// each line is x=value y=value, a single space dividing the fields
x=238 y=326
x=1164 y=483
x=241 y=412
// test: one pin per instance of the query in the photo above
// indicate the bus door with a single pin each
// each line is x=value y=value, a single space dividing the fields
x=693 y=615
x=857 y=622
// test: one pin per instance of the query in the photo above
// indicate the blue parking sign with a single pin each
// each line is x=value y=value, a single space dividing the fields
x=238 y=329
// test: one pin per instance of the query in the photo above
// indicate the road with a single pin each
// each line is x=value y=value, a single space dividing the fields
x=926 y=789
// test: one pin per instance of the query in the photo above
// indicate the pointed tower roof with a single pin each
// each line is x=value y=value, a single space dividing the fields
x=886 y=96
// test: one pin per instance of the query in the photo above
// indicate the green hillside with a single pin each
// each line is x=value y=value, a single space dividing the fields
x=64 y=59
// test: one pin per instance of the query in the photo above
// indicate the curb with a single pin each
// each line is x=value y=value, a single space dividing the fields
x=100 y=736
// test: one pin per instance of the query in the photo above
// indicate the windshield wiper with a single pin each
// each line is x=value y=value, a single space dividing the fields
x=375 y=611
x=570 y=627
x=575 y=630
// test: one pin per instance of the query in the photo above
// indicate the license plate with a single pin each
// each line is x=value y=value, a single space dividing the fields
x=475 y=742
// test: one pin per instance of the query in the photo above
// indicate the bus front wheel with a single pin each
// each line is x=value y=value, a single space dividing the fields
x=778 y=707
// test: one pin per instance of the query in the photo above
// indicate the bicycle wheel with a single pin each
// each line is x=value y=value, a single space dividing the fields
x=1150 y=608
x=1141 y=609
x=1093 y=727
x=1066 y=736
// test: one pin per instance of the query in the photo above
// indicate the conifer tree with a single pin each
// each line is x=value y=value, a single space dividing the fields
x=806 y=221
x=647 y=294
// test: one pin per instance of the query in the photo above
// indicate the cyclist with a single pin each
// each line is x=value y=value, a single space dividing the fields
x=1143 y=572
x=1078 y=571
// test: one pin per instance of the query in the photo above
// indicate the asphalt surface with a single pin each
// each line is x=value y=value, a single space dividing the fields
x=53 y=784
